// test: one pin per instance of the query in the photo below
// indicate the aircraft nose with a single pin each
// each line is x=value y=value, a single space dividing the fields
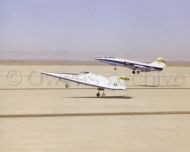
x=99 y=59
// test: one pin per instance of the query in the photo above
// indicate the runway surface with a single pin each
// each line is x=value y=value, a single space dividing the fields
x=38 y=114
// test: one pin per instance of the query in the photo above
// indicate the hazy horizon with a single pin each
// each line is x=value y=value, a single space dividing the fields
x=83 y=29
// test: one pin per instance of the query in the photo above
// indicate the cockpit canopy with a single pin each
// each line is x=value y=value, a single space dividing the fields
x=109 y=57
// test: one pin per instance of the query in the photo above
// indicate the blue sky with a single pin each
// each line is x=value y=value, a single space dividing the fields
x=84 y=29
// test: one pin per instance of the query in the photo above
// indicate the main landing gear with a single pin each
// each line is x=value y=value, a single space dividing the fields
x=99 y=94
x=133 y=72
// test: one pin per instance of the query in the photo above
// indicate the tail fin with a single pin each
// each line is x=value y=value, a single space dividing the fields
x=124 y=78
x=159 y=62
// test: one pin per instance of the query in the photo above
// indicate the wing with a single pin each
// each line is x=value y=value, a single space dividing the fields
x=89 y=79
x=76 y=78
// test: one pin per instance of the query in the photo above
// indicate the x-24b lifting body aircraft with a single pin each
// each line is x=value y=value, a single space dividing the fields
x=138 y=67
x=94 y=80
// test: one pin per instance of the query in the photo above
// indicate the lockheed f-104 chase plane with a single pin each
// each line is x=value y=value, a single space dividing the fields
x=94 y=80
x=138 y=67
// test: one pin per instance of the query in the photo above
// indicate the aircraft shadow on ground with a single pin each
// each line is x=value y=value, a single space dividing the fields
x=106 y=97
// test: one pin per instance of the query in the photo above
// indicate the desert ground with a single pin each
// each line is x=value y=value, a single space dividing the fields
x=37 y=113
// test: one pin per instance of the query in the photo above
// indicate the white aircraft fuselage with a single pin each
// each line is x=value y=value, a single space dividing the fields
x=157 y=65
x=91 y=79
x=94 y=80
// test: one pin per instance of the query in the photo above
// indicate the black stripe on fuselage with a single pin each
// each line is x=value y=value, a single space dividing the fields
x=130 y=64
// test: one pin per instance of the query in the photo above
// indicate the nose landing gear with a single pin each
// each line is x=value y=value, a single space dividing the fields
x=67 y=85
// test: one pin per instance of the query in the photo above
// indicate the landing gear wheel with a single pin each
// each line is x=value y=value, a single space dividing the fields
x=98 y=94
x=67 y=85
x=99 y=91
x=115 y=68
x=138 y=72
x=133 y=72
x=103 y=94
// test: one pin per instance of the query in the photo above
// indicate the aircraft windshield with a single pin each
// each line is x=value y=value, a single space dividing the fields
x=110 y=57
